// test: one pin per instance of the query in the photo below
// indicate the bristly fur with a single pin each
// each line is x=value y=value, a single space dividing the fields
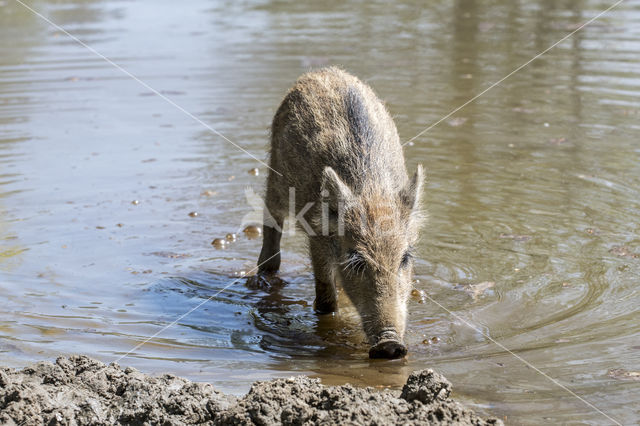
x=332 y=133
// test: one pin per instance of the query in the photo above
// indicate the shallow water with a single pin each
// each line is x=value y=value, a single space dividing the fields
x=532 y=189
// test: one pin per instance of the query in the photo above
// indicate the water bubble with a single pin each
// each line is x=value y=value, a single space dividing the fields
x=431 y=341
x=252 y=231
x=219 y=243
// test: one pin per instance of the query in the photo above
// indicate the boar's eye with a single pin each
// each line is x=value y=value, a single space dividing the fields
x=354 y=261
x=406 y=259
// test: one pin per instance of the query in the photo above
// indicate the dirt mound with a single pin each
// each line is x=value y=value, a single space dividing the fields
x=80 y=390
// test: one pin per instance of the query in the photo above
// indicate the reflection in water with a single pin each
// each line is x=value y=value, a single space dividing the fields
x=532 y=193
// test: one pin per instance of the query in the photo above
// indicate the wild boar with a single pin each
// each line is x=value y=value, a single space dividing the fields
x=336 y=155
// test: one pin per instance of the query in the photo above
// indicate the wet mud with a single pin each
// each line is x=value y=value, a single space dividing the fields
x=80 y=390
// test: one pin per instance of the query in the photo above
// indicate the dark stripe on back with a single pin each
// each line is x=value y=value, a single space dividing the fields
x=358 y=118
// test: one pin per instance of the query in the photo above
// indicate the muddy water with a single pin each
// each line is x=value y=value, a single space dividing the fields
x=533 y=193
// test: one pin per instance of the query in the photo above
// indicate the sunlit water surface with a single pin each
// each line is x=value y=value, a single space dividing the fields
x=533 y=193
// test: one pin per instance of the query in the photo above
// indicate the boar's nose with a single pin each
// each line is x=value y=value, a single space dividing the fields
x=390 y=349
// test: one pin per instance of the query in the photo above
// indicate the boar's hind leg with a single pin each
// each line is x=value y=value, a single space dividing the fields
x=326 y=297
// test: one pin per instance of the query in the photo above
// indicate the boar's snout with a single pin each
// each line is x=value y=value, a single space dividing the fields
x=390 y=349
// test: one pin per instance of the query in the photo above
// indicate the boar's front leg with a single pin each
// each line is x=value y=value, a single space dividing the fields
x=269 y=259
x=326 y=296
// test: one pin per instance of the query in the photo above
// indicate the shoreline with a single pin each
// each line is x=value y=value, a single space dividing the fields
x=83 y=391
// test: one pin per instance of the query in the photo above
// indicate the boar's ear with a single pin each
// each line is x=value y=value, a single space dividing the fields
x=335 y=189
x=412 y=193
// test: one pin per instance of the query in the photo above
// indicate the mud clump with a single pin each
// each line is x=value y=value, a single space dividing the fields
x=80 y=390
x=83 y=391
x=301 y=400
x=426 y=386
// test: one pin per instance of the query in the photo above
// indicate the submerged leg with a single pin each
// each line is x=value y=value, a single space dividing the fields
x=326 y=296
x=273 y=219
x=269 y=260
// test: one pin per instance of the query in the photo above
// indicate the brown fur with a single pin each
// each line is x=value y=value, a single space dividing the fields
x=335 y=143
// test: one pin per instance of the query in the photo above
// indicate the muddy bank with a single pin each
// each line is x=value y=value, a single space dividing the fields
x=83 y=391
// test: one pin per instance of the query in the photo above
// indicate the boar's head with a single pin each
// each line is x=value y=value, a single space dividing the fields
x=373 y=231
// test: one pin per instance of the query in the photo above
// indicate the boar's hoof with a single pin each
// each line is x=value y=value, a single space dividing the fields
x=388 y=349
x=265 y=282
x=323 y=308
